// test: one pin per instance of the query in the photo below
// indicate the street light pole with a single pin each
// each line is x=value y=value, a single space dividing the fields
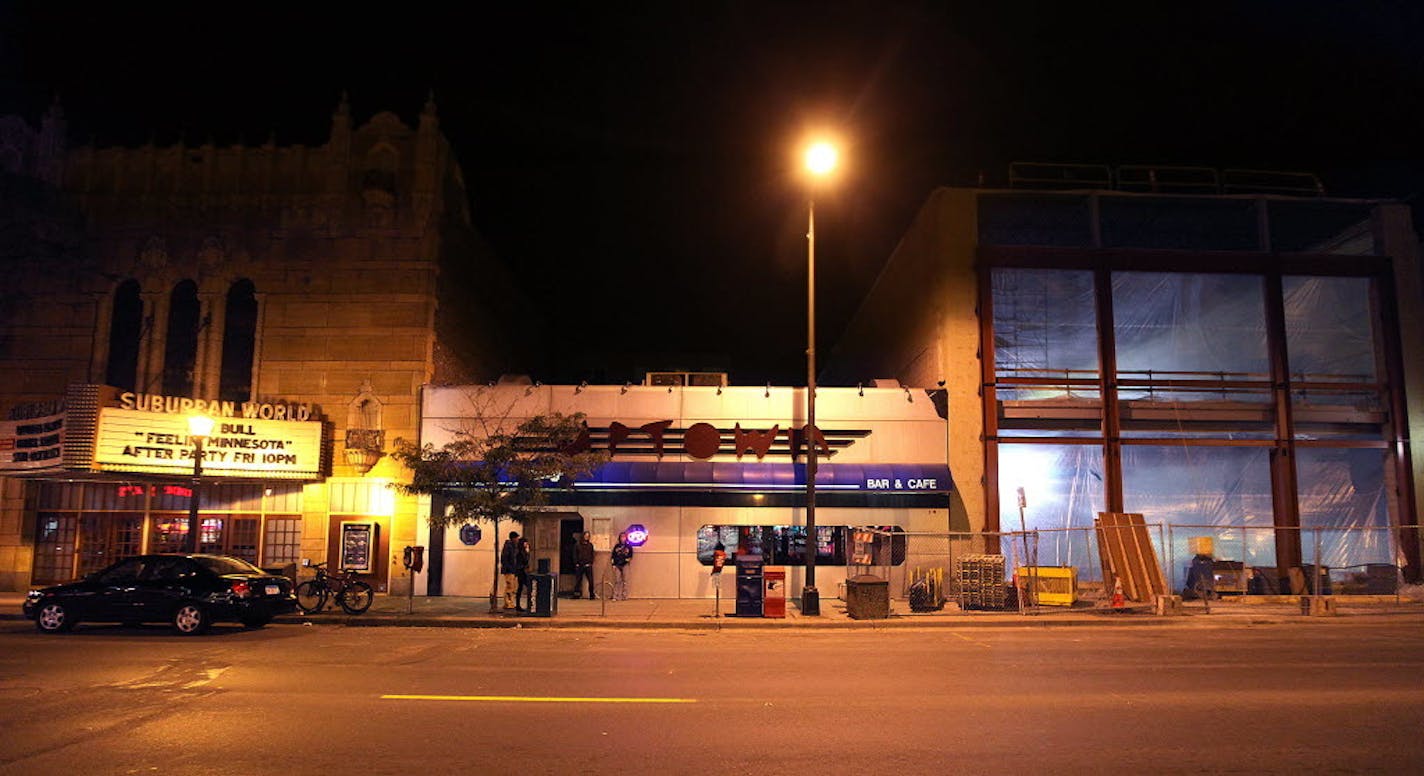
x=810 y=596
x=199 y=427
x=820 y=160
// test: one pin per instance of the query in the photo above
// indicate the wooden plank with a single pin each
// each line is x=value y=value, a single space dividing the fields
x=1126 y=551
x=1116 y=557
x=1133 y=539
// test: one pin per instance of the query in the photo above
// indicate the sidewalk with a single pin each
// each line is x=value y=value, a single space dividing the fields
x=461 y=612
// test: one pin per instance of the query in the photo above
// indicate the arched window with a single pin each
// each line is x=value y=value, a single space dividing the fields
x=180 y=353
x=239 y=342
x=125 y=331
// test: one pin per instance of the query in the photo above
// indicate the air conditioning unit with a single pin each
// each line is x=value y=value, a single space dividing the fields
x=712 y=379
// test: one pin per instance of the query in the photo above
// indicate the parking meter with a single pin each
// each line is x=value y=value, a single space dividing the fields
x=414 y=559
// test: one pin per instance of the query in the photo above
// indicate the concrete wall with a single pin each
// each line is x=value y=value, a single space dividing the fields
x=920 y=325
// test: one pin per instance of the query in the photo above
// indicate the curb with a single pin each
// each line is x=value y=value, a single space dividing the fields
x=894 y=623
x=1127 y=620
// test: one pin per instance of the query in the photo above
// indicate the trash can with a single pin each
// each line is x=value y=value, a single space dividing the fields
x=749 y=587
x=867 y=598
x=546 y=591
x=773 y=596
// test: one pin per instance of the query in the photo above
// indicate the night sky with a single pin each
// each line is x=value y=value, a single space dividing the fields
x=634 y=163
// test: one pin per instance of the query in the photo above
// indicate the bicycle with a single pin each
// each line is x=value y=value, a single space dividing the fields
x=351 y=594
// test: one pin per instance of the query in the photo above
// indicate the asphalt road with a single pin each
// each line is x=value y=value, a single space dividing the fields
x=309 y=700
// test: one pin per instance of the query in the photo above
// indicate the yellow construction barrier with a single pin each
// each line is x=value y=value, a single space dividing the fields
x=1050 y=585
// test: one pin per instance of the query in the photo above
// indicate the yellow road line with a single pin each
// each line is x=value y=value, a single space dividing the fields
x=530 y=699
x=971 y=641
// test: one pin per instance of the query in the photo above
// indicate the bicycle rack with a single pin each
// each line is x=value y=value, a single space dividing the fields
x=605 y=591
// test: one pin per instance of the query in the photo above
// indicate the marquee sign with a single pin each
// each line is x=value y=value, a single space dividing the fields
x=144 y=441
x=32 y=444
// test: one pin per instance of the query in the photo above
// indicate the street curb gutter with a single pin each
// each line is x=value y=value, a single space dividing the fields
x=891 y=624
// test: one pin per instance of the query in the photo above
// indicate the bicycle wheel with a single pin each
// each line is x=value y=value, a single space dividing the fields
x=311 y=597
x=356 y=597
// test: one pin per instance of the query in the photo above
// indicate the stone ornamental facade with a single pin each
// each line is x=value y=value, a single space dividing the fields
x=281 y=276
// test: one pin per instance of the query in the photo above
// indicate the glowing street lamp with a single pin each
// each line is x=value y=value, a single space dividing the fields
x=199 y=428
x=820 y=163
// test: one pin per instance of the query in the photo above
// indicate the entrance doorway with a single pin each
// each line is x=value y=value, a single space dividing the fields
x=570 y=529
x=552 y=536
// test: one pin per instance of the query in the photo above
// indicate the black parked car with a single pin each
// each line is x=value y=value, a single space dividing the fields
x=189 y=591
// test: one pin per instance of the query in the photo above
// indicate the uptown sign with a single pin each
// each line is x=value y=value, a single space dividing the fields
x=704 y=440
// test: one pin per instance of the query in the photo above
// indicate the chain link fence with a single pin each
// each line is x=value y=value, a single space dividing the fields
x=1063 y=567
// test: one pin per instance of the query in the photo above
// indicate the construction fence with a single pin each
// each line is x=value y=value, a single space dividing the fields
x=1066 y=567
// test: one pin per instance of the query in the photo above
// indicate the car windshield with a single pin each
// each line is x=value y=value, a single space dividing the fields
x=223 y=565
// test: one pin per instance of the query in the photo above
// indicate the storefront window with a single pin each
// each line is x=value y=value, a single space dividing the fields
x=283 y=542
x=783 y=545
x=109 y=525
x=54 y=547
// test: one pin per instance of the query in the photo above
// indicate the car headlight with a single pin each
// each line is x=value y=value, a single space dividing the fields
x=34 y=596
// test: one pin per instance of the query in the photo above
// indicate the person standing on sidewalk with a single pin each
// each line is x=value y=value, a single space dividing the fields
x=583 y=566
x=521 y=573
x=622 y=556
x=508 y=566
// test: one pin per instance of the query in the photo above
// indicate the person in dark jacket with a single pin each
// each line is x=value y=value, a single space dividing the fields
x=508 y=566
x=583 y=565
x=622 y=556
x=521 y=573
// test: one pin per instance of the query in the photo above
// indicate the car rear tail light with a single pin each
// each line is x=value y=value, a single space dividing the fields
x=241 y=590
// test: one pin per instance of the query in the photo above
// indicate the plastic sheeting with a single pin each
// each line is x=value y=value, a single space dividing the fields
x=1203 y=327
x=1044 y=323
x=1063 y=492
x=1178 y=323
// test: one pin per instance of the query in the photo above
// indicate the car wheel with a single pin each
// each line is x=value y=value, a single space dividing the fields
x=190 y=619
x=256 y=621
x=54 y=618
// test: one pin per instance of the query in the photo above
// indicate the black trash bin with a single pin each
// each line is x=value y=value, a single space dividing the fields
x=749 y=590
x=867 y=598
x=546 y=591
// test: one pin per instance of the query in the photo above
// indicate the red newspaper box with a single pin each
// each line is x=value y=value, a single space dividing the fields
x=773 y=595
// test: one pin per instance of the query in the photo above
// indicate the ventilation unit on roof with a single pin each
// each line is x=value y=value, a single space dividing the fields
x=713 y=379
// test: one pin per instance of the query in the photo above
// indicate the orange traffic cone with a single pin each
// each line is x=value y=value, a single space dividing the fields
x=1117 y=599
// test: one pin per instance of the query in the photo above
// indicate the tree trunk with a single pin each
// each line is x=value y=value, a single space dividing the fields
x=494 y=583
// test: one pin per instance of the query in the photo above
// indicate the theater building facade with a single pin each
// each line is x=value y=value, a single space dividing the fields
x=691 y=466
x=1230 y=365
x=292 y=293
